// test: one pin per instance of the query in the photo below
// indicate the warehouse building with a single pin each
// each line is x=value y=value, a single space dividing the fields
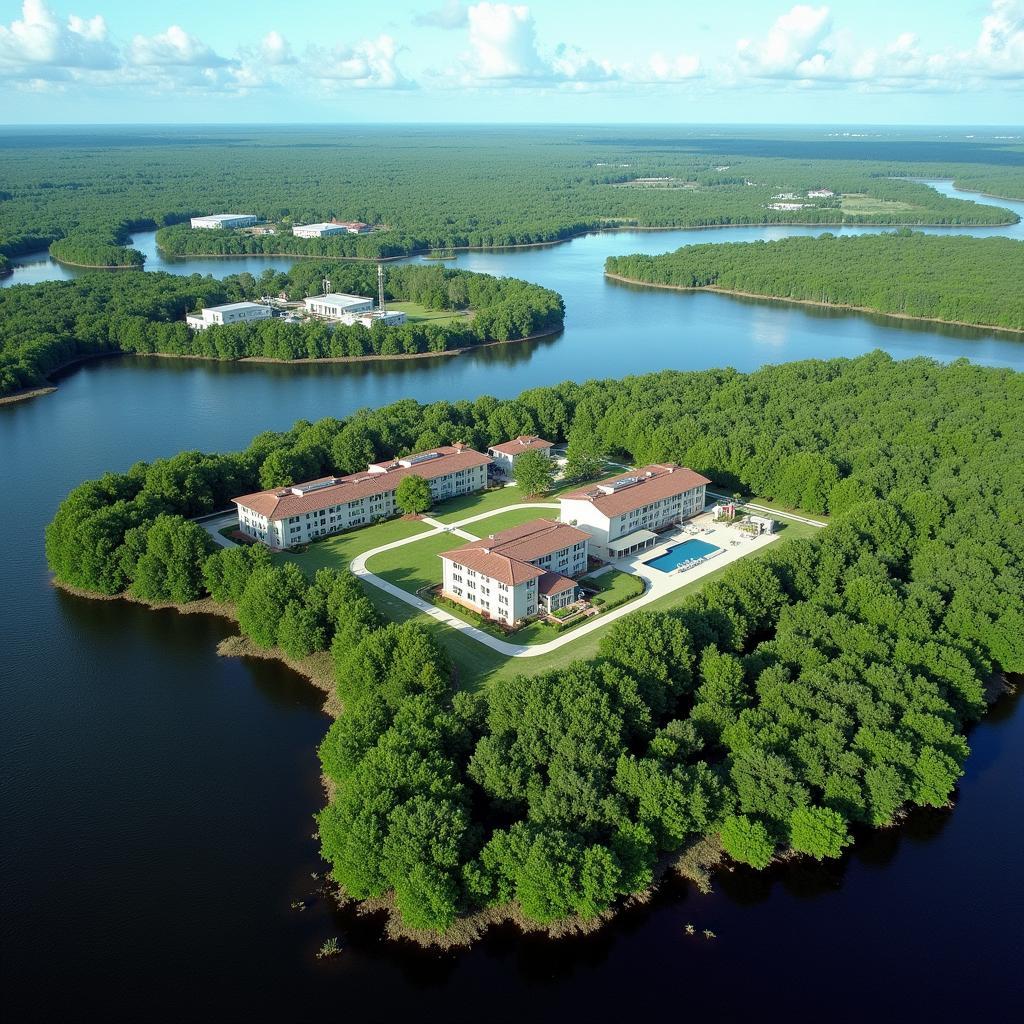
x=285 y=516
x=622 y=514
x=231 y=313
x=225 y=220
x=318 y=230
x=336 y=305
x=519 y=572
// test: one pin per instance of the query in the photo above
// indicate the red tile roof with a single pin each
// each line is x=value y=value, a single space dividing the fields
x=282 y=502
x=523 y=443
x=507 y=556
x=650 y=484
x=554 y=583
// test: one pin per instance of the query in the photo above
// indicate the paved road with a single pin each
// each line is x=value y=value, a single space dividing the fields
x=214 y=526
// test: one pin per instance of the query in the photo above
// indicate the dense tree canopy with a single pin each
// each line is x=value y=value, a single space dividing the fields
x=820 y=688
x=428 y=188
x=955 y=278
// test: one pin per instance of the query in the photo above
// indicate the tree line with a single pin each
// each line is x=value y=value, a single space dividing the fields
x=432 y=188
x=956 y=278
x=46 y=325
x=794 y=700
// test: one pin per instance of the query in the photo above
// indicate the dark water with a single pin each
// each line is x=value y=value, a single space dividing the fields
x=155 y=812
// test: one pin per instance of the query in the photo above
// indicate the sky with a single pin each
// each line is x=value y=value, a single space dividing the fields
x=914 y=62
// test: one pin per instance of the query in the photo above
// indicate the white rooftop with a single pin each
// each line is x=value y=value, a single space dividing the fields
x=235 y=305
x=339 y=299
x=321 y=227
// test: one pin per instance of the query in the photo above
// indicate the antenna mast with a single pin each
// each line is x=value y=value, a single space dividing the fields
x=380 y=288
x=326 y=282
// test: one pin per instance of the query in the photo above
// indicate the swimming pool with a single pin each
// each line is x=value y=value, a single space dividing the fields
x=683 y=554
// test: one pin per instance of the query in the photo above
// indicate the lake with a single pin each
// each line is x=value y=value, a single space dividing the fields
x=156 y=813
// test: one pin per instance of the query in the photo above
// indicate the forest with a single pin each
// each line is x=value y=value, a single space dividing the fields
x=45 y=326
x=434 y=188
x=792 y=702
x=955 y=278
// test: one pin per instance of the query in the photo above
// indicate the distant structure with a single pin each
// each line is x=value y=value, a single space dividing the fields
x=318 y=230
x=506 y=453
x=232 y=313
x=787 y=206
x=336 y=305
x=225 y=220
x=353 y=227
x=820 y=193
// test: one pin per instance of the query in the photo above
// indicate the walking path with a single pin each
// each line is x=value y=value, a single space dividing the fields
x=214 y=526
x=656 y=583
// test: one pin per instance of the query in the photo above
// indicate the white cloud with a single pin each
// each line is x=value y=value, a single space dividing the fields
x=452 y=14
x=503 y=38
x=275 y=50
x=660 y=68
x=173 y=48
x=38 y=41
x=793 y=47
x=999 y=51
x=370 y=64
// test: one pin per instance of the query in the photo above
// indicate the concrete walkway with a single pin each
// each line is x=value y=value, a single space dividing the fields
x=656 y=583
x=214 y=526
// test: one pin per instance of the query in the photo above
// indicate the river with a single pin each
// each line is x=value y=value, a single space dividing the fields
x=156 y=811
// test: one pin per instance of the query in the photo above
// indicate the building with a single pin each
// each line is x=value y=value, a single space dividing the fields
x=318 y=230
x=821 y=193
x=225 y=220
x=232 y=313
x=623 y=514
x=787 y=206
x=506 y=453
x=285 y=516
x=389 y=317
x=353 y=227
x=519 y=572
x=336 y=305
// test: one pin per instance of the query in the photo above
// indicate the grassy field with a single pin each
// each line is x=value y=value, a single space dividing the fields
x=336 y=552
x=415 y=566
x=417 y=313
x=859 y=203
x=614 y=585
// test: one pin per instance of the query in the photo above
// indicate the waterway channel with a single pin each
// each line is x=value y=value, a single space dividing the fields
x=157 y=801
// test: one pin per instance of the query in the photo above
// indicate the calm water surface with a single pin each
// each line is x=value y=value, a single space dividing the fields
x=155 y=815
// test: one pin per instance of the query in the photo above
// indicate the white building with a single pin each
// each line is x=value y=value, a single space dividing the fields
x=517 y=573
x=318 y=230
x=336 y=305
x=225 y=220
x=622 y=514
x=506 y=453
x=821 y=193
x=787 y=206
x=232 y=313
x=390 y=317
x=285 y=516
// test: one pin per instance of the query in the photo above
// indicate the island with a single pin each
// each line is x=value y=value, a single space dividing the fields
x=435 y=310
x=774 y=706
x=954 y=279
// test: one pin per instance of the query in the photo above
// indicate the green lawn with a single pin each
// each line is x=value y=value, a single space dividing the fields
x=336 y=552
x=857 y=202
x=613 y=585
x=456 y=509
x=418 y=313
x=414 y=566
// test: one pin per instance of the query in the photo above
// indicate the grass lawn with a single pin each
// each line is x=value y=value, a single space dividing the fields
x=857 y=202
x=414 y=566
x=614 y=585
x=418 y=314
x=456 y=509
x=336 y=552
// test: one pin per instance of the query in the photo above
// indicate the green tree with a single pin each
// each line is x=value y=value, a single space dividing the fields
x=266 y=597
x=747 y=841
x=818 y=831
x=534 y=472
x=413 y=495
x=171 y=568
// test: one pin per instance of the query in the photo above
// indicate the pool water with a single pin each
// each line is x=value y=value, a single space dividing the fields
x=683 y=554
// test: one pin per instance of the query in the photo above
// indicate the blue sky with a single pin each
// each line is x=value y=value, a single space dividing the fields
x=869 y=61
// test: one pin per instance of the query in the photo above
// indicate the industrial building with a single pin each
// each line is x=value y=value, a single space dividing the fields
x=285 y=516
x=335 y=305
x=225 y=220
x=318 y=230
x=231 y=313
x=622 y=514
x=519 y=572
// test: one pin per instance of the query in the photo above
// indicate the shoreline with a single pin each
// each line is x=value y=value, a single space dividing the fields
x=809 y=302
x=598 y=231
x=48 y=388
